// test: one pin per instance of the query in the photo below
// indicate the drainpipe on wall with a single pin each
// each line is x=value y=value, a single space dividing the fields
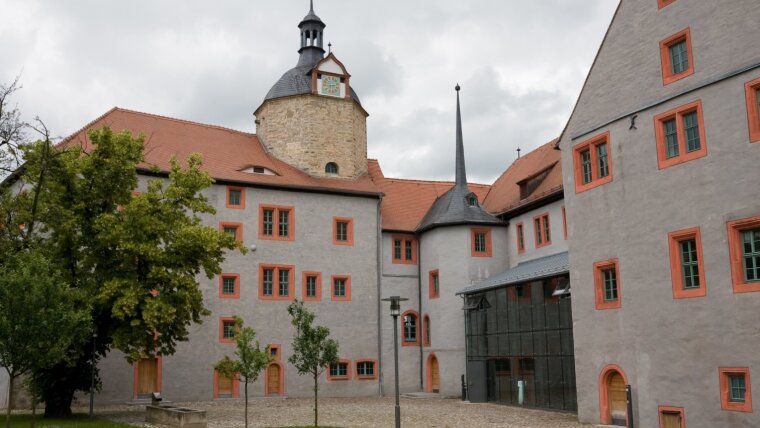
x=466 y=391
x=420 y=318
x=379 y=296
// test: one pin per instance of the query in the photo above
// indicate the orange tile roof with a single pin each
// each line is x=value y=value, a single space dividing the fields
x=505 y=191
x=225 y=152
x=405 y=202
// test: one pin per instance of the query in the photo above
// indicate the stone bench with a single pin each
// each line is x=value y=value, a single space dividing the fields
x=175 y=416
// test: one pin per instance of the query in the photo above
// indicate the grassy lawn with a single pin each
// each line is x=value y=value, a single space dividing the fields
x=76 y=421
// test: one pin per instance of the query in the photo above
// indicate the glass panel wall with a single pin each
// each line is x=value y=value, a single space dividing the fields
x=524 y=335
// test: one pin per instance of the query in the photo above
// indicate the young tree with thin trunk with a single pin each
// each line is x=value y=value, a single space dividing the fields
x=313 y=350
x=250 y=363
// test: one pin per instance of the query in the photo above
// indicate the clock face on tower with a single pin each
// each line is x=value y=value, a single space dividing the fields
x=330 y=85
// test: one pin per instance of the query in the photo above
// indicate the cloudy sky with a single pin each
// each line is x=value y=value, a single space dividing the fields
x=521 y=65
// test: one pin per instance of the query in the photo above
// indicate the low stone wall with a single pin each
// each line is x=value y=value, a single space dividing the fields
x=175 y=416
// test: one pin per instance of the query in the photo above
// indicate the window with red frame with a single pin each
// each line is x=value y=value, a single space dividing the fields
x=735 y=389
x=542 y=230
x=276 y=282
x=676 y=57
x=426 y=326
x=434 y=285
x=520 y=238
x=480 y=242
x=235 y=197
x=404 y=249
x=686 y=264
x=744 y=251
x=276 y=223
x=592 y=163
x=343 y=231
x=607 y=284
x=680 y=135
x=752 y=94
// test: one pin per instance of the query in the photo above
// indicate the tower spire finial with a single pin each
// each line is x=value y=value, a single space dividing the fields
x=311 y=6
x=461 y=175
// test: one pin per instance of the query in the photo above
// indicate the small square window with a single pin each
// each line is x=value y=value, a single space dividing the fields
x=365 y=370
x=607 y=284
x=339 y=371
x=343 y=231
x=341 y=288
x=676 y=57
x=735 y=389
x=312 y=286
x=232 y=229
x=227 y=330
x=235 y=197
x=229 y=287
x=672 y=417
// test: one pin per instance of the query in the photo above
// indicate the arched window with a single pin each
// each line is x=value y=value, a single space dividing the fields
x=409 y=323
x=331 y=168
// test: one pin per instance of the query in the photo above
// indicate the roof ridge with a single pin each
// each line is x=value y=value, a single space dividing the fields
x=433 y=181
x=189 y=122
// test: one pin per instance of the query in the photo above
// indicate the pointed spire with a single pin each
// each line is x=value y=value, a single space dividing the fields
x=461 y=175
x=311 y=6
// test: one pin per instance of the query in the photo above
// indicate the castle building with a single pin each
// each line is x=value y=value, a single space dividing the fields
x=660 y=160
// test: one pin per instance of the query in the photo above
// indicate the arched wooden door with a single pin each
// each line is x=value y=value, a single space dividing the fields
x=616 y=398
x=273 y=380
x=435 y=376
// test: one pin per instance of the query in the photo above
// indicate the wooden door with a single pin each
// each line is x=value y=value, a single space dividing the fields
x=617 y=399
x=147 y=374
x=435 y=377
x=225 y=386
x=671 y=420
x=273 y=379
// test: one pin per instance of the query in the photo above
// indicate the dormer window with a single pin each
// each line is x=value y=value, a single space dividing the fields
x=471 y=200
x=256 y=169
x=331 y=168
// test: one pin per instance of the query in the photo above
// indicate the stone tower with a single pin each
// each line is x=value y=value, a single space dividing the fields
x=312 y=118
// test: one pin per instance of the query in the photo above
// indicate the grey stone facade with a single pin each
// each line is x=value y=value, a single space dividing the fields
x=669 y=349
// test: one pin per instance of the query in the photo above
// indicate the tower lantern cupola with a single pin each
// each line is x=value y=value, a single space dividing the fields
x=312 y=32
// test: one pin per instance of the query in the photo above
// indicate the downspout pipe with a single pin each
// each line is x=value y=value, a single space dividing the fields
x=420 y=318
x=379 y=265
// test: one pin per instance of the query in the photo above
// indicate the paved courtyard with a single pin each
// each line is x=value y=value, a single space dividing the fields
x=361 y=412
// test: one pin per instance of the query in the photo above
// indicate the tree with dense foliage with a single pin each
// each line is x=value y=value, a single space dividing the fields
x=39 y=321
x=252 y=360
x=131 y=259
x=12 y=129
x=313 y=349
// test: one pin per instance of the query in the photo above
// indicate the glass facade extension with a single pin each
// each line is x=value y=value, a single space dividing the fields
x=520 y=346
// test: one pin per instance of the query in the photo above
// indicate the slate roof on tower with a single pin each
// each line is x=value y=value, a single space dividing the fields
x=459 y=205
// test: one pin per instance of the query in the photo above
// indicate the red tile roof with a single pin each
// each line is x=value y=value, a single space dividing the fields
x=225 y=152
x=405 y=202
x=504 y=195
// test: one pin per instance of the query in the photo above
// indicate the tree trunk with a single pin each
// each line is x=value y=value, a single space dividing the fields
x=316 y=402
x=10 y=401
x=245 y=388
x=34 y=410
x=58 y=405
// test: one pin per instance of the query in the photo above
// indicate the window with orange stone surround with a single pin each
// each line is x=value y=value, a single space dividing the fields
x=542 y=230
x=318 y=286
x=236 y=293
x=374 y=374
x=275 y=292
x=237 y=226
x=434 y=277
x=751 y=89
x=676 y=264
x=426 y=330
x=348 y=239
x=599 y=269
x=735 y=229
x=667 y=72
x=275 y=351
x=678 y=114
x=520 y=236
x=725 y=399
x=241 y=205
x=235 y=385
x=404 y=249
x=274 y=233
x=347 y=294
x=662 y=410
x=474 y=233
x=222 y=322
x=592 y=145
x=402 y=319
x=347 y=376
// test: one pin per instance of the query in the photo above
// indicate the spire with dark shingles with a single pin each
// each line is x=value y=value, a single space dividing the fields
x=461 y=174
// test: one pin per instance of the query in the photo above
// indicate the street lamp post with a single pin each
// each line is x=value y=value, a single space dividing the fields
x=395 y=312
x=92 y=374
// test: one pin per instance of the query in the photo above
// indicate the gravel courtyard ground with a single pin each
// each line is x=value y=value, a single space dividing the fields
x=360 y=412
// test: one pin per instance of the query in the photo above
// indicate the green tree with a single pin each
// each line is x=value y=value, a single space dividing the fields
x=39 y=320
x=313 y=350
x=133 y=260
x=251 y=360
